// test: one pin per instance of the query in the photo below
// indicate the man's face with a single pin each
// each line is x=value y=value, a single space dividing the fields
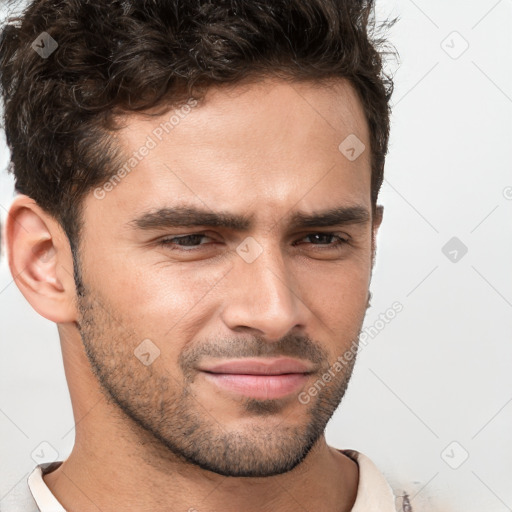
x=268 y=288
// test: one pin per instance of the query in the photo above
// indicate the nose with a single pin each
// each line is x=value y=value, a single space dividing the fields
x=264 y=297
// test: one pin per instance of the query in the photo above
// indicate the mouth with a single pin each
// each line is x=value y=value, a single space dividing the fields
x=262 y=379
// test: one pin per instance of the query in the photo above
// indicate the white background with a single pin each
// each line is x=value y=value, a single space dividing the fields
x=434 y=385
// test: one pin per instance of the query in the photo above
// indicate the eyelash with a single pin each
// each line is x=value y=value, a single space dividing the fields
x=167 y=242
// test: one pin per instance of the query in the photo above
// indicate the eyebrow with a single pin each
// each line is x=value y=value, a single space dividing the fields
x=186 y=216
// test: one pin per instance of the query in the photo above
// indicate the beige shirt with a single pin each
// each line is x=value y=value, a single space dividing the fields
x=373 y=492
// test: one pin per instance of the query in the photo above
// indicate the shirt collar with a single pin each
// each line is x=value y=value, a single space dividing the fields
x=45 y=500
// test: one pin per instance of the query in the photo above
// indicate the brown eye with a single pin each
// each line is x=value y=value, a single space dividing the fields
x=182 y=242
x=322 y=239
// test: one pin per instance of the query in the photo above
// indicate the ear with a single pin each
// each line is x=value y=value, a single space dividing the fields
x=40 y=260
x=377 y=221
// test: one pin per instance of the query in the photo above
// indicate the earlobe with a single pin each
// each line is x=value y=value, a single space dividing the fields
x=40 y=260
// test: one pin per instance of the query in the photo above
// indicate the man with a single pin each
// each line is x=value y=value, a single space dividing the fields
x=197 y=213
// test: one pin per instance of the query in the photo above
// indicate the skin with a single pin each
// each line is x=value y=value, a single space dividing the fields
x=266 y=150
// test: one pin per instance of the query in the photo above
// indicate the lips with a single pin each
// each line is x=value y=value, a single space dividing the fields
x=260 y=367
x=262 y=379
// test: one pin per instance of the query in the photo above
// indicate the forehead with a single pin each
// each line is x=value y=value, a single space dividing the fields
x=265 y=143
x=257 y=112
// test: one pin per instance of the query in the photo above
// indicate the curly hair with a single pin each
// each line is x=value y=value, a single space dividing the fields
x=123 y=56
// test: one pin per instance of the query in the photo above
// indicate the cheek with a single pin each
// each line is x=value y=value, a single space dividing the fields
x=338 y=296
x=164 y=303
x=343 y=282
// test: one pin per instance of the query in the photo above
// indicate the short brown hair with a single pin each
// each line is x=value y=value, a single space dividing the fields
x=134 y=55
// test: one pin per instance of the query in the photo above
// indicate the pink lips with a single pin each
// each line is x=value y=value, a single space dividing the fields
x=263 y=379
